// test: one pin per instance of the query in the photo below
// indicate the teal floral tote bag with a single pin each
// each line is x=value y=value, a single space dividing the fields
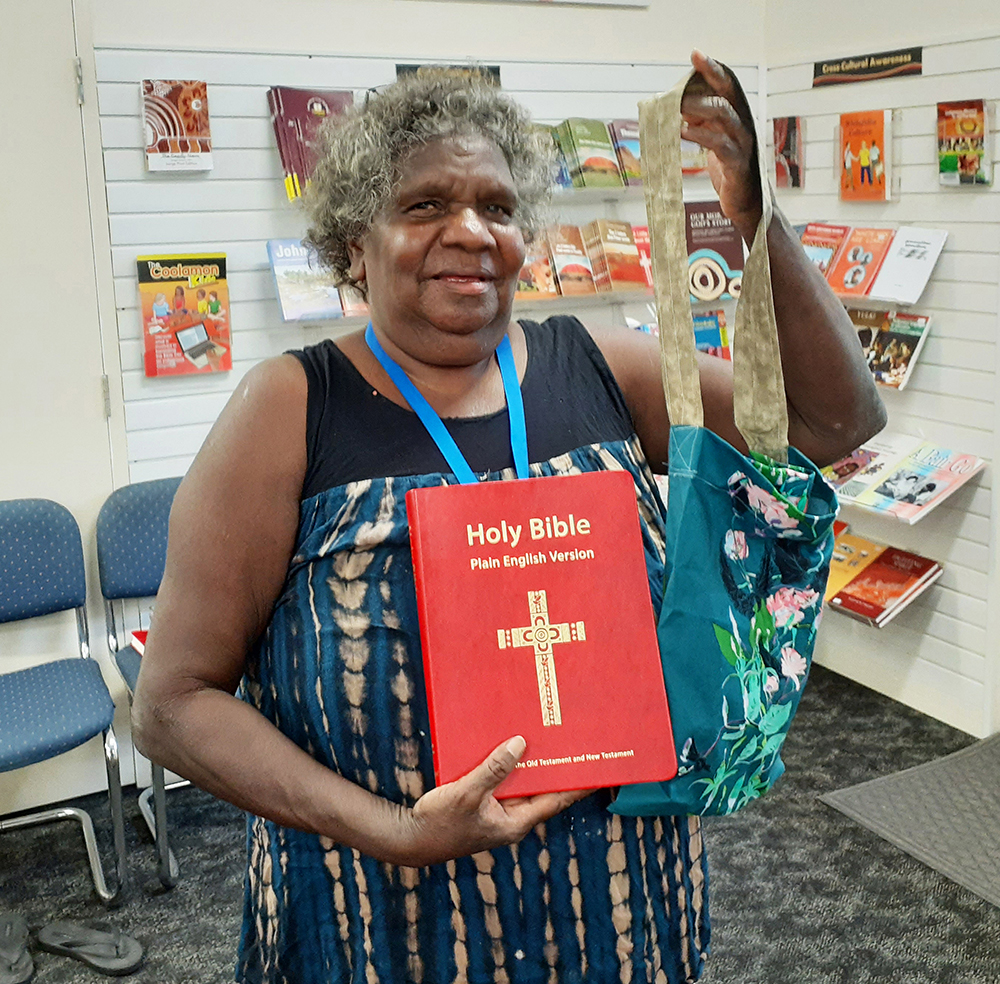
x=749 y=537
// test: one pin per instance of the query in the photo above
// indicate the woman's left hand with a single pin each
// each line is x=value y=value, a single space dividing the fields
x=712 y=118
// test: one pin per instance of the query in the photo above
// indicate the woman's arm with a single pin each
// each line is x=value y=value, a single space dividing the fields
x=232 y=532
x=833 y=405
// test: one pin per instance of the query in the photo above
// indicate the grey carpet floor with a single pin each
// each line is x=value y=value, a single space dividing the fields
x=801 y=894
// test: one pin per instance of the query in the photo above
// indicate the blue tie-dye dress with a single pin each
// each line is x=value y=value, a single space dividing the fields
x=587 y=896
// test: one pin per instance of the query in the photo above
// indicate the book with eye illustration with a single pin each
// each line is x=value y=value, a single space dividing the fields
x=901 y=476
x=536 y=619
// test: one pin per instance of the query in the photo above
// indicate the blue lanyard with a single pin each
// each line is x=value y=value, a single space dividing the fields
x=435 y=426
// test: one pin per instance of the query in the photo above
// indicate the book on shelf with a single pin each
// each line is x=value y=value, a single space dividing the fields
x=715 y=253
x=178 y=133
x=304 y=290
x=711 y=334
x=789 y=151
x=894 y=348
x=614 y=256
x=570 y=262
x=562 y=176
x=868 y=322
x=964 y=143
x=296 y=115
x=534 y=606
x=536 y=281
x=625 y=138
x=865 y=156
x=907 y=266
x=641 y=236
x=184 y=312
x=872 y=582
x=822 y=241
x=900 y=475
x=853 y=271
x=589 y=153
x=694 y=158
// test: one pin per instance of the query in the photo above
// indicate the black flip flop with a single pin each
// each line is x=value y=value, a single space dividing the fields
x=16 y=965
x=99 y=945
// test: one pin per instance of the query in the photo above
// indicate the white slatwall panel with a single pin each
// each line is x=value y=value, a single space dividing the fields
x=240 y=204
x=937 y=655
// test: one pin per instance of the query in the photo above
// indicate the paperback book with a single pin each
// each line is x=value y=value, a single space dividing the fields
x=184 y=309
x=711 y=334
x=901 y=476
x=534 y=602
x=874 y=583
x=789 y=151
x=353 y=302
x=536 y=281
x=589 y=153
x=570 y=263
x=864 y=156
x=908 y=264
x=895 y=346
x=715 y=253
x=303 y=286
x=963 y=143
x=175 y=120
x=613 y=255
x=853 y=271
x=625 y=137
x=822 y=243
x=641 y=236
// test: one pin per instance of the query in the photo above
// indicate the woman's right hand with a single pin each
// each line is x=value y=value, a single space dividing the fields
x=464 y=817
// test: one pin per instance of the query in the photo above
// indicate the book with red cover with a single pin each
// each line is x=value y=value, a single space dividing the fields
x=536 y=619
x=857 y=264
x=822 y=242
x=886 y=586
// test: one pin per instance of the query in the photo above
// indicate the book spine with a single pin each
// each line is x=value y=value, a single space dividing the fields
x=414 y=520
x=594 y=245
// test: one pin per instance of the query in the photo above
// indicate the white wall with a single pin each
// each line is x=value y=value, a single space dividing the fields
x=941 y=655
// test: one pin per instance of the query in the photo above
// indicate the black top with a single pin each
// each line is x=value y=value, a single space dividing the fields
x=353 y=432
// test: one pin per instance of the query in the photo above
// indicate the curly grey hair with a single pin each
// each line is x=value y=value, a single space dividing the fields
x=362 y=152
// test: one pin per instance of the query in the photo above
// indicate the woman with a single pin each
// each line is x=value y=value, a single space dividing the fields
x=288 y=569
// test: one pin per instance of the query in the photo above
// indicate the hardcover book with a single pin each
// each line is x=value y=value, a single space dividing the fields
x=715 y=253
x=614 y=256
x=570 y=262
x=908 y=264
x=589 y=152
x=864 y=156
x=175 y=119
x=894 y=349
x=184 y=310
x=304 y=290
x=900 y=475
x=853 y=272
x=536 y=619
x=822 y=243
x=885 y=586
x=625 y=138
x=963 y=143
x=536 y=281
x=789 y=151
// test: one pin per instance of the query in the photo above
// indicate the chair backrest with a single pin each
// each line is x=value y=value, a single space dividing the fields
x=132 y=538
x=41 y=560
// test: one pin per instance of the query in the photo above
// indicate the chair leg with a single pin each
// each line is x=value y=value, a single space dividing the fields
x=117 y=816
x=156 y=820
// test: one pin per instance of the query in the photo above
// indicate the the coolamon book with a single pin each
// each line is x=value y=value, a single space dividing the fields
x=536 y=619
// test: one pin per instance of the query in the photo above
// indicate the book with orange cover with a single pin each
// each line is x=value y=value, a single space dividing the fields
x=536 y=619
x=570 y=262
x=964 y=143
x=864 y=156
x=886 y=586
x=536 y=282
x=856 y=266
x=851 y=555
x=822 y=242
x=613 y=255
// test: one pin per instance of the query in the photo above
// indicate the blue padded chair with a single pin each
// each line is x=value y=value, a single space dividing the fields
x=131 y=552
x=49 y=709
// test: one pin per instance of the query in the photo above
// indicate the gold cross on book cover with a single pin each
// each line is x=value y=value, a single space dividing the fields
x=568 y=546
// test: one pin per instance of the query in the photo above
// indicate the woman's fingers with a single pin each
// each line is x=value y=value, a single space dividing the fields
x=499 y=764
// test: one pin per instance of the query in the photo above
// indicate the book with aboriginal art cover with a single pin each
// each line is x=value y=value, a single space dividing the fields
x=536 y=620
x=175 y=119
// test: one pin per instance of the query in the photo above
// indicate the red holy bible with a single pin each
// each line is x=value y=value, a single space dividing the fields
x=536 y=619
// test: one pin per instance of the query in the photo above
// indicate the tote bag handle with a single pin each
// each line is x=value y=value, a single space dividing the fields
x=759 y=391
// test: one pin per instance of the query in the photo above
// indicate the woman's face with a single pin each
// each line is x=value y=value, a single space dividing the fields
x=441 y=261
